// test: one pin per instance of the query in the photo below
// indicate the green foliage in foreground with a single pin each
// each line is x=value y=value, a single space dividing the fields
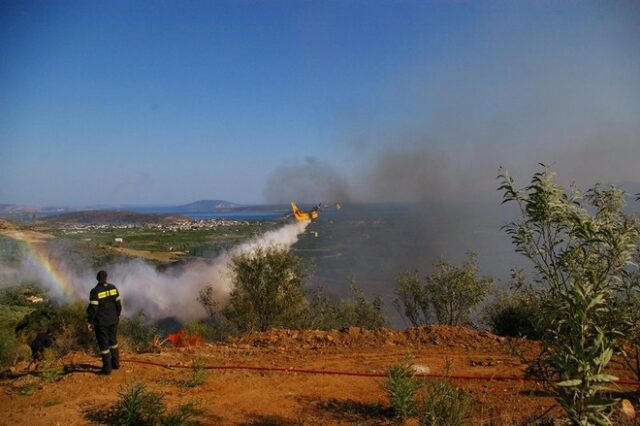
x=439 y=403
x=196 y=376
x=401 y=387
x=138 y=406
x=581 y=247
x=445 y=404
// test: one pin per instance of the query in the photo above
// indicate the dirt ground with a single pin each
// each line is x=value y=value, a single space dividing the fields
x=161 y=256
x=248 y=397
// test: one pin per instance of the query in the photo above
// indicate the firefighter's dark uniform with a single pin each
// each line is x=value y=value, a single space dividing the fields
x=103 y=313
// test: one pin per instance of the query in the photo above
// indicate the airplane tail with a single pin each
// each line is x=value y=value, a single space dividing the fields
x=294 y=208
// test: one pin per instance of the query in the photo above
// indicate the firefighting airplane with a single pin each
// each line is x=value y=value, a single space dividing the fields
x=301 y=216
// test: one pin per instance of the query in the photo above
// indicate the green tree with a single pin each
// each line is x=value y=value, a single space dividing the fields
x=517 y=312
x=267 y=289
x=359 y=312
x=581 y=246
x=325 y=314
x=455 y=291
x=411 y=300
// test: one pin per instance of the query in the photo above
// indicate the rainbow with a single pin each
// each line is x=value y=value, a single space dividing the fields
x=54 y=275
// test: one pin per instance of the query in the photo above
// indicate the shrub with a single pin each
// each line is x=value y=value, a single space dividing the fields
x=17 y=295
x=137 y=406
x=10 y=315
x=201 y=329
x=581 y=247
x=46 y=317
x=268 y=293
x=411 y=301
x=325 y=314
x=196 y=375
x=219 y=327
x=267 y=289
x=455 y=291
x=359 y=312
x=183 y=415
x=322 y=312
x=511 y=315
x=141 y=336
x=516 y=313
x=66 y=324
x=401 y=387
x=7 y=348
x=445 y=404
x=72 y=326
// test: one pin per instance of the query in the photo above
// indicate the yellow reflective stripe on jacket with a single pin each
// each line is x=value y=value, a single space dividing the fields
x=93 y=302
x=117 y=298
x=113 y=292
x=103 y=294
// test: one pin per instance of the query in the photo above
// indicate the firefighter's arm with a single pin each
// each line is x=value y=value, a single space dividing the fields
x=92 y=309
x=118 y=304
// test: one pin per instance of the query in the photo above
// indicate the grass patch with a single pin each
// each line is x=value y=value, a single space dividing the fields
x=51 y=372
x=196 y=376
x=445 y=404
x=27 y=388
x=51 y=402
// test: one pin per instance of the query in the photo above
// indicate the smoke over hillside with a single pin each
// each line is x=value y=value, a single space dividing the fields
x=524 y=92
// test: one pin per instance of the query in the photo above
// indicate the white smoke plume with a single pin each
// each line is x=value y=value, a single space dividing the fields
x=172 y=293
x=163 y=294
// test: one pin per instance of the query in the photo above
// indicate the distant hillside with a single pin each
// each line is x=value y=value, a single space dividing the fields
x=203 y=206
x=113 y=216
x=6 y=224
x=26 y=212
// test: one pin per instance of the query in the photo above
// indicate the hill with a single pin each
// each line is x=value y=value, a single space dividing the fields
x=113 y=216
x=25 y=212
x=208 y=206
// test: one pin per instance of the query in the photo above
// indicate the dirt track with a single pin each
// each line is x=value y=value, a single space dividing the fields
x=237 y=397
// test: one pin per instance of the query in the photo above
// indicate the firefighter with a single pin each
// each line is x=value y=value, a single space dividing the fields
x=103 y=315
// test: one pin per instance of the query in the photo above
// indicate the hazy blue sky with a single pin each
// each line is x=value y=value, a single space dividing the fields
x=173 y=101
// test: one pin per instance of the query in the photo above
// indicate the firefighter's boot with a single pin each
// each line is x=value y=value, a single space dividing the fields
x=106 y=363
x=115 y=358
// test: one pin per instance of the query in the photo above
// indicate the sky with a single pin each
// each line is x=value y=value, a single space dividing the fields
x=167 y=102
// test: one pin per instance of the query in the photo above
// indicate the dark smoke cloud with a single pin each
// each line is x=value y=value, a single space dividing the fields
x=311 y=181
x=522 y=94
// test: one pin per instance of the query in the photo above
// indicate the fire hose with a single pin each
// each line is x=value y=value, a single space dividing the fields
x=500 y=377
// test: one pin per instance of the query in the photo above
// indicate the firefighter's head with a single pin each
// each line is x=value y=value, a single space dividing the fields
x=102 y=277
